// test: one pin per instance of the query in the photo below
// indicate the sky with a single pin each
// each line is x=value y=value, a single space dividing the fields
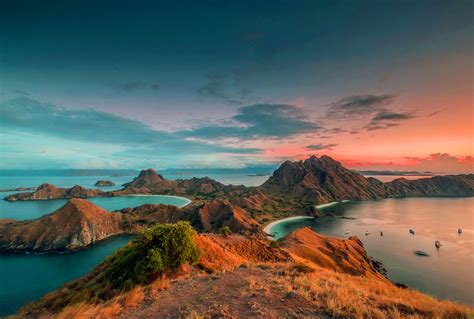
x=377 y=85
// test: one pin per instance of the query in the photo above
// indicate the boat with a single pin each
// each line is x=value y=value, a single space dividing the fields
x=438 y=244
x=346 y=232
x=367 y=233
x=412 y=231
x=381 y=233
x=421 y=253
x=459 y=231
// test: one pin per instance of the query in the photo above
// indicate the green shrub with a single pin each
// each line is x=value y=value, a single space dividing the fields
x=274 y=244
x=226 y=231
x=164 y=246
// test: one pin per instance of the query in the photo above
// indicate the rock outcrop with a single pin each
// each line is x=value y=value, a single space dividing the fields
x=321 y=180
x=212 y=216
x=148 y=178
x=76 y=225
x=48 y=191
x=104 y=183
x=346 y=256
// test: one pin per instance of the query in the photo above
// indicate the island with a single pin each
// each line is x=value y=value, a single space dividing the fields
x=104 y=183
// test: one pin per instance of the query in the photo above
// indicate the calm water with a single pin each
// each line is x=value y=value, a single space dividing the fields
x=28 y=277
x=448 y=273
x=7 y=182
x=22 y=210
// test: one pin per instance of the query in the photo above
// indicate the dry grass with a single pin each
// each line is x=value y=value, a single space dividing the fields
x=347 y=296
x=134 y=297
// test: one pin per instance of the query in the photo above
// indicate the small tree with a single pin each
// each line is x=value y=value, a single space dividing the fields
x=226 y=231
x=164 y=246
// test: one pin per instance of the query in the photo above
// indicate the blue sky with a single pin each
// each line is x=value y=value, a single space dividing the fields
x=231 y=83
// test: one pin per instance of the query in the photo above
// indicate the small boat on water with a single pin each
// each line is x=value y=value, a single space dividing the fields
x=421 y=253
x=367 y=233
x=381 y=233
x=459 y=231
x=346 y=232
x=438 y=243
x=412 y=231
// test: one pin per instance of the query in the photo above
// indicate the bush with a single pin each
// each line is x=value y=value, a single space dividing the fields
x=274 y=244
x=164 y=246
x=226 y=231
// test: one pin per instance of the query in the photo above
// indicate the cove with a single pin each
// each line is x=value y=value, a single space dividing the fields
x=30 y=276
x=446 y=273
x=32 y=209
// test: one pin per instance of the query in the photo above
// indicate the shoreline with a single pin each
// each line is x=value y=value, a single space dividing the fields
x=188 y=201
x=268 y=229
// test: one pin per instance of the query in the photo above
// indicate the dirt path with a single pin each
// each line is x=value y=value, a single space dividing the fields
x=242 y=293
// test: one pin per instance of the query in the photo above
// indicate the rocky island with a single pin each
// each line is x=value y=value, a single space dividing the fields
x=104 y=183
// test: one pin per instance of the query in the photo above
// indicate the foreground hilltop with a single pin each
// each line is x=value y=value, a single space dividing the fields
x=212 y=276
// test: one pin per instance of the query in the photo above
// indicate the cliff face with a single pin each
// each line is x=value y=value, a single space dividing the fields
x=321 y=180
x=48 y=191
x=76 y=225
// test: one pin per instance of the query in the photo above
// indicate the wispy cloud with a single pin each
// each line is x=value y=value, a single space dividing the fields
x=24 y=114
x=320 y=147
x=260 y=121
x=443 y=162
x=358 y=105
x=386 y=119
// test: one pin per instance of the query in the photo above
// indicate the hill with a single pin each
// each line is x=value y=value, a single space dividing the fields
x=76 y=225
x=309 y=275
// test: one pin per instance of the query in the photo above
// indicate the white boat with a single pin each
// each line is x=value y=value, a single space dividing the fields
x=346 y=232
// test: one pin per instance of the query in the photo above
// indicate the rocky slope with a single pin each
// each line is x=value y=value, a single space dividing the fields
x=215 y=215
x=79 y=224
x=348 y=256
x=76 y=225
x=309 y=276
x=48 y=191
x=323 y=180
x=448 y=185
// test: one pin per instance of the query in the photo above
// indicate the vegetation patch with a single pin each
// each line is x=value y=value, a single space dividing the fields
x=164 y=246
x=154 y=250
